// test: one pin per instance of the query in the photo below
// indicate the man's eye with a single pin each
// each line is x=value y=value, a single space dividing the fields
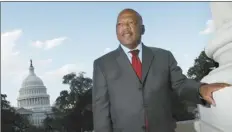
x=132 y=23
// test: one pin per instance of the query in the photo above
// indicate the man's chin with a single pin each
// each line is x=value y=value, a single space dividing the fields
x=128 y=42
x=129 y=45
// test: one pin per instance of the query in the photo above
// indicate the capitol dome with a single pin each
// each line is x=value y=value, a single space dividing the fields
x=33 y=97
x=32 y=79
x=33 y=93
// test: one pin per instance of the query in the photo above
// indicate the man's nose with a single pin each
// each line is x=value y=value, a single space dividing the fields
x=126 y=26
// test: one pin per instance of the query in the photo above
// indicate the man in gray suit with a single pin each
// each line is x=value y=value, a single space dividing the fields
x=132 y=85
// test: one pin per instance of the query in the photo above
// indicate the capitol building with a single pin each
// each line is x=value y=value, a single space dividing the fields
x=33 y=100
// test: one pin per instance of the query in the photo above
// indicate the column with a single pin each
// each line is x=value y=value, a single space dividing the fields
x=219 y=118
x=48 y=100
x=39 y=101
x=42 y=100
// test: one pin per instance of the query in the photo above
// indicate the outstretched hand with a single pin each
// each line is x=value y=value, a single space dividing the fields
x=206 y=91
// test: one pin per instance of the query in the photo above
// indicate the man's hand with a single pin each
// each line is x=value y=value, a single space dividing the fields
x=206 y=91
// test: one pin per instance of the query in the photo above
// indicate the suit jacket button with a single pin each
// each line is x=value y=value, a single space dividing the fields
x=144 y=127
x=145 y=105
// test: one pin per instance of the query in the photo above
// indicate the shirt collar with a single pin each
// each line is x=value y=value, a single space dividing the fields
x=127 y=50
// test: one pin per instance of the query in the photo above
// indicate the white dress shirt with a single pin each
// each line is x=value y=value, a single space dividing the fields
x=129 y=55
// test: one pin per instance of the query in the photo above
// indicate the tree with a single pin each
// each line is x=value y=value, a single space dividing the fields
x=4 y=103
x=10 y=120
x=203 y=65
x=71 y=110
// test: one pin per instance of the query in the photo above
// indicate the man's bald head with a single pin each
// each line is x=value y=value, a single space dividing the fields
x=131 y=11
x=130 y=28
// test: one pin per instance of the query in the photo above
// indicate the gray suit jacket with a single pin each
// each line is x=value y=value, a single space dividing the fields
x=120 y=99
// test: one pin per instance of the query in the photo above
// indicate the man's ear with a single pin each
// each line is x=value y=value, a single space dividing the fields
x=142 y=29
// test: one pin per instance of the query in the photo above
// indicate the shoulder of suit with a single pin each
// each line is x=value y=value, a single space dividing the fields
x=106 y=57
x=157 y=50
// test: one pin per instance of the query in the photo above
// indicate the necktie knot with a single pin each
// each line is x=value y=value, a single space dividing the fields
x=134 y=52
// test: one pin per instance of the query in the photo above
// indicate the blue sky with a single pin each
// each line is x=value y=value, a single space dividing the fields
x=63 y=37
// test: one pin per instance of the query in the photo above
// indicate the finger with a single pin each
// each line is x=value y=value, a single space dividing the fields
x=220 y=86
x=210 y=100
x=213 y=89
x=224 y=84
x=227 y=85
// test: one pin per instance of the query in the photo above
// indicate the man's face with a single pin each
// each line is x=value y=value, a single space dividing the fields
x=128 y=28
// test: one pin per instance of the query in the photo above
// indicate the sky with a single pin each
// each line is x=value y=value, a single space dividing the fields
x=64 y=37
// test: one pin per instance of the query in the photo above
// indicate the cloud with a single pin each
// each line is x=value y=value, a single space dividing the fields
x=209 y=28
x=14 y=65
x=10 y=56
x=53 y=79
x=56 y=75
x=8 y=40
x=49 y=44
x=67 y=68
x=107 y=50
x=43 y=62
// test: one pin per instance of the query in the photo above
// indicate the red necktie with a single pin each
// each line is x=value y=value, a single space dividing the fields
x=137 y=65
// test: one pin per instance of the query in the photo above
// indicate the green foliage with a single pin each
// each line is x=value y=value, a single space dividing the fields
x=71 y=110
x=203 y=65
x=12 y=121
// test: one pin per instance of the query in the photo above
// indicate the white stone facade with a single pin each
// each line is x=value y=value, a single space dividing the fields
x=33 y=96
x=219 y=118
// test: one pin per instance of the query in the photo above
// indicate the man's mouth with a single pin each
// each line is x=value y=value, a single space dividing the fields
x=127 y=34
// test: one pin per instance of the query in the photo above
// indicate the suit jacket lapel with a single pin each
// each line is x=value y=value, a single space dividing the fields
x=147 y=58
x=124 y=62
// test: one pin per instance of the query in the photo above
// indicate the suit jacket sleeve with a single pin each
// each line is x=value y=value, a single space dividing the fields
x=187 y=89
x=100 y=100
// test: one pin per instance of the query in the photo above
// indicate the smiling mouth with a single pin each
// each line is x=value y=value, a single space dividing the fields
x=127 y=34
